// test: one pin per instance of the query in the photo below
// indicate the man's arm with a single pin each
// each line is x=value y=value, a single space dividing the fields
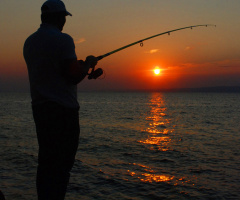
x=76 y=70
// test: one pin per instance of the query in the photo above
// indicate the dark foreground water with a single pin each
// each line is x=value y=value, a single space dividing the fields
x=133 y=146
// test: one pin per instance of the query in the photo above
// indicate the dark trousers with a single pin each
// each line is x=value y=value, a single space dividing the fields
x=58 y=132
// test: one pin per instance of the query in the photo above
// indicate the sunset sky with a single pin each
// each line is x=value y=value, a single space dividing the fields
x=200 y=57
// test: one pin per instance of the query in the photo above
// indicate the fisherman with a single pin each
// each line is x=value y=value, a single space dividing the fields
x=54 y=73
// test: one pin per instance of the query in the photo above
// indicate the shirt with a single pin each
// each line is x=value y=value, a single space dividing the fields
x=44 y=52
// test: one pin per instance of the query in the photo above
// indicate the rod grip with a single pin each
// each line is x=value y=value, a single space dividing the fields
x=100 y=57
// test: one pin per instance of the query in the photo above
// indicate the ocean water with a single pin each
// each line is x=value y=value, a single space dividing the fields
x=133 y=146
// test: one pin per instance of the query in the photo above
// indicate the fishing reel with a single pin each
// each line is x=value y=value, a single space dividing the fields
x=95 y=73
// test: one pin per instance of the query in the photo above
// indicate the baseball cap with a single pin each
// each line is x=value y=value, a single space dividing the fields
x=54 y=6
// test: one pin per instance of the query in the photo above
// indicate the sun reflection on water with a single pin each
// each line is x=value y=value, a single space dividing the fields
x=157 y=128
x=160 y=142
x=148 y=175
x=155 y=178
x=158 y=137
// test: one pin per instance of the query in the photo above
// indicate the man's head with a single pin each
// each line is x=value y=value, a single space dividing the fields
x=54 y=12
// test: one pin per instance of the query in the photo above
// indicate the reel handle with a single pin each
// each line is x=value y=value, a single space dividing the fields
x=95 y=73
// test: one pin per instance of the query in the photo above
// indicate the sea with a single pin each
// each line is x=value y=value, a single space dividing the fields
x=133 y=146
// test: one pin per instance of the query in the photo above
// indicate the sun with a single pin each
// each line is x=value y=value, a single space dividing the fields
x=157 y=71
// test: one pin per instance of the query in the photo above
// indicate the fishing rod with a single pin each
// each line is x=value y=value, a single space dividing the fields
x=98 y=72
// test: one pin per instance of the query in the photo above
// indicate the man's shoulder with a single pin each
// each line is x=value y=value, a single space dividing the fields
x=67 y=37
x=50 y=33
x=30 y=39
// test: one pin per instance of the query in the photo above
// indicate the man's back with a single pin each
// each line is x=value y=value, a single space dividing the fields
x=45 y=52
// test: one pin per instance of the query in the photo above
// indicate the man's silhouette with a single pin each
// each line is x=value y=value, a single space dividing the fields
x=54 y=73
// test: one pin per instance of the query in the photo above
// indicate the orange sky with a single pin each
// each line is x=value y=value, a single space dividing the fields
x=189 y=58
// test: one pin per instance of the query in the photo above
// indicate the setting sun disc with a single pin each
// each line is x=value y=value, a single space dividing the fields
x=157 y=71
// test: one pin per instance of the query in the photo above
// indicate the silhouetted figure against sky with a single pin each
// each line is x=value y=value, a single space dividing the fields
x=54 y=73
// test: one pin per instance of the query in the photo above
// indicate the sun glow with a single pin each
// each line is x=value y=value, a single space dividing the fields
x=157 y=71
